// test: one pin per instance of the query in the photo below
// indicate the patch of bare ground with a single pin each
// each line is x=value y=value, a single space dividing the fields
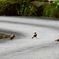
x=4 y=36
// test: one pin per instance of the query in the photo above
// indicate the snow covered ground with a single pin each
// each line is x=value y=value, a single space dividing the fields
x=23 y=46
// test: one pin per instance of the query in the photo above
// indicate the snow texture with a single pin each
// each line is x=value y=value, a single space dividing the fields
x=23 y=46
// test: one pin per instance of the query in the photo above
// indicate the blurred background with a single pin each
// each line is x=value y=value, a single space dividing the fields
x=32 y=8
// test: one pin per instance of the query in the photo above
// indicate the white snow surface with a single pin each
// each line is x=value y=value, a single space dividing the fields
x=42 y=47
